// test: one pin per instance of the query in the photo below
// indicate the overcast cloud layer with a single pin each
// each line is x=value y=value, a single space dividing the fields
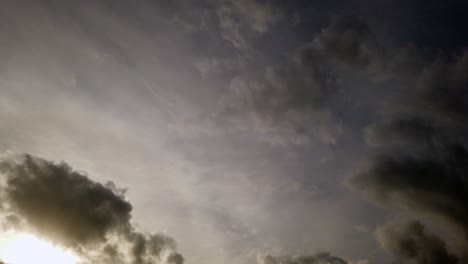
x=270 y=132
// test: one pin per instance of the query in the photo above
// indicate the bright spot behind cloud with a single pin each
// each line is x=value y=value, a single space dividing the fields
x=28 y=249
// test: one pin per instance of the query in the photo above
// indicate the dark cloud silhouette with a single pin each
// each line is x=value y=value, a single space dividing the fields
x=63 y=204
x=68 y=208
x=423 y=167
x=410 y=241
x=321 y=258
x=434 y=185
x=175 y=258
x=149 y=248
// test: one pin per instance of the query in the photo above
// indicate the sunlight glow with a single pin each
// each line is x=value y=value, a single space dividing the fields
x=28 y=249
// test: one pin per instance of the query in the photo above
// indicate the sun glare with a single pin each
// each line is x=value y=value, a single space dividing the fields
x=28 y=249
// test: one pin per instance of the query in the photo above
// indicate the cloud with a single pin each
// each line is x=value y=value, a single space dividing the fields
x=422 y=167
x=347 y=39
x=362 y=261
x=410 y=241
x=285 y=106
x=290 y=104
x=241 y=18
x=433 y=185
x=260 y=15
x=321 y=258
x=442 y=91
x=68 y=208
x=416 y=132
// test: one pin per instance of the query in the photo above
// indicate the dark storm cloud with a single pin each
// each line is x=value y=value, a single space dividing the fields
x=68 y=208
x=321 y=258
x=423 y=166
x=410 y=241
x=291 y=104
x=434 y=185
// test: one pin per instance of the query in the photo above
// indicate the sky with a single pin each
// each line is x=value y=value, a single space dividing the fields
x=237 y=131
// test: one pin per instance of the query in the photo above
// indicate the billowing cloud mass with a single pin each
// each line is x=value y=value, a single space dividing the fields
x=251 y=112
x=410 y=241
x=321 y=258
x=68 y=208
x=432 y=185
x=421 y=164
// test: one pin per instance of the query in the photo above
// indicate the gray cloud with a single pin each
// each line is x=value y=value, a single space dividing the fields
x=107 y=50
x=239 y=19
x=423 y=166
x=175 y=258
x=347 y=39
x=65 y=206
x=442 y=91
x=434 y=185
x=321 y=258
x=410 y=241
x=290 y=104
x=415 y=132
x=362 y=261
